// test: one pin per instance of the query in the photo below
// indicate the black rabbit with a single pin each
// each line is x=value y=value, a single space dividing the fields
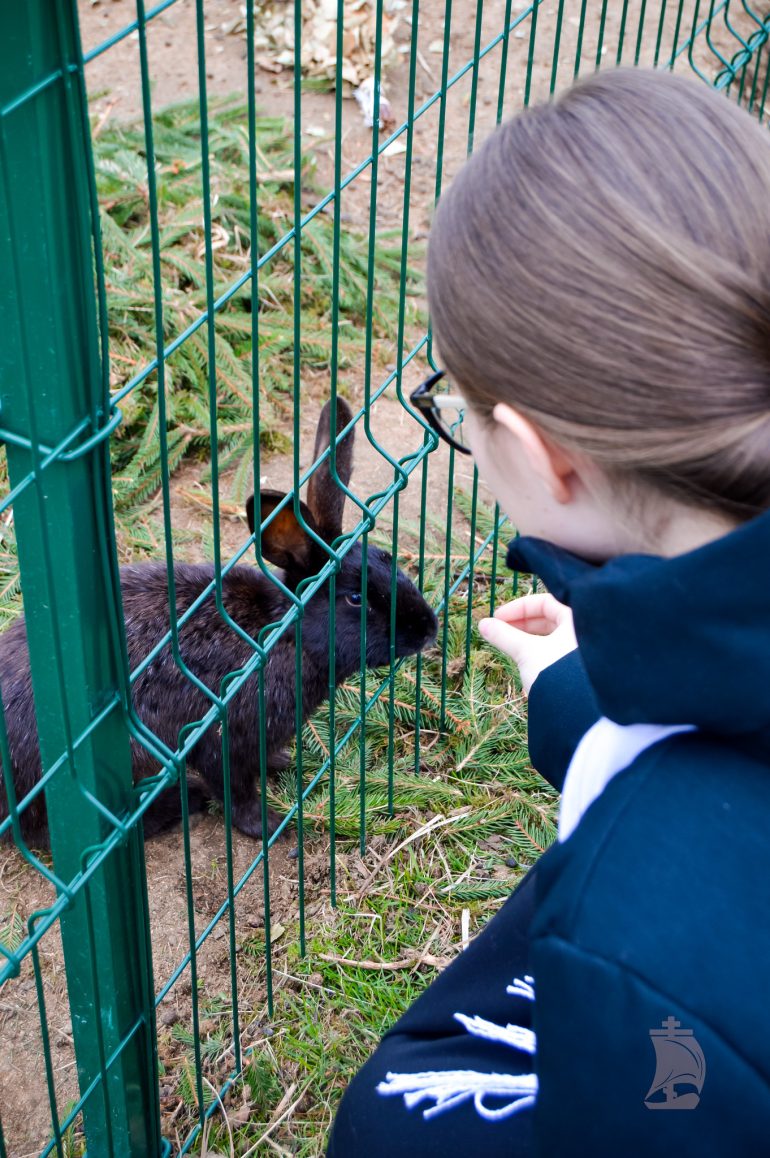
x=166 y=700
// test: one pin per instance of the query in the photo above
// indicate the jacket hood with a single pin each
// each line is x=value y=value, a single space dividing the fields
x=682 y=640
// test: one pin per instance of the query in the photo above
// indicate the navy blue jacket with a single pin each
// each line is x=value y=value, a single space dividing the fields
x=658 y=904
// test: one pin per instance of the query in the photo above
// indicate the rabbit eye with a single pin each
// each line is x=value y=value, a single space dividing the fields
x=354 y=600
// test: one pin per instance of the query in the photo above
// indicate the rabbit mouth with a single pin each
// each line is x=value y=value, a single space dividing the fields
x=411 y=645
x=416 y=637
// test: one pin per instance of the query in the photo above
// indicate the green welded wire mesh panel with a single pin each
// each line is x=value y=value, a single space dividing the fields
x=66 y=381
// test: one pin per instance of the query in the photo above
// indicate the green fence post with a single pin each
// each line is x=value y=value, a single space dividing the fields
x=53 y=379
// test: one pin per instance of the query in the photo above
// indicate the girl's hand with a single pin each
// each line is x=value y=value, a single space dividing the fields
x=534 y=631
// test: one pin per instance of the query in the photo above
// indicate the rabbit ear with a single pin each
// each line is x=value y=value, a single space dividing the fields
x=325 y=498
x=285 y=542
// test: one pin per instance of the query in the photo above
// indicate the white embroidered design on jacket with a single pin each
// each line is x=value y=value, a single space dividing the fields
x=450 y=1088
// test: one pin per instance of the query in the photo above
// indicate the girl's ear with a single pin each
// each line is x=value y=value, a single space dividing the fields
x=549 y=462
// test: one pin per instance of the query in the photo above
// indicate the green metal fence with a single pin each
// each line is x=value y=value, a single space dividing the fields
x=60 y=414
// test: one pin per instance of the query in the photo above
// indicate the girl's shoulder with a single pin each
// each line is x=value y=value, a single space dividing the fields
x=669 y=863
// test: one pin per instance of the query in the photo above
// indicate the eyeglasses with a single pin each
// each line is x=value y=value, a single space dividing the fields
x=444 y=411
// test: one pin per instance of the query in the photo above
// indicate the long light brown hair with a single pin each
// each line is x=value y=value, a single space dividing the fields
x=603 y=264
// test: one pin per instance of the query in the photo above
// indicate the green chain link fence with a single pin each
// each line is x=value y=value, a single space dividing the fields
x=59 y=422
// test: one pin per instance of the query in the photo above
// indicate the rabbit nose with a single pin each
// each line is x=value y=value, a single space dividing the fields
x=422 y=632
x=431 y=625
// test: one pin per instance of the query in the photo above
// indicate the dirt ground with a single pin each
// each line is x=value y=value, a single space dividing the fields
x=113 y=81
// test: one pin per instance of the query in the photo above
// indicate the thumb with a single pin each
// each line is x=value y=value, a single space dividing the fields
x=505 y=638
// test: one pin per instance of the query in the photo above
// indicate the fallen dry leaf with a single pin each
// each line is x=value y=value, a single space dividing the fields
x=274 y=38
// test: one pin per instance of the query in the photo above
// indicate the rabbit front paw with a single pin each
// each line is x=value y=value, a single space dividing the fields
x=247 y=818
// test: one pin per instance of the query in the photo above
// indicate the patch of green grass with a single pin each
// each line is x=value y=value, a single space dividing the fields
x=73 y=1143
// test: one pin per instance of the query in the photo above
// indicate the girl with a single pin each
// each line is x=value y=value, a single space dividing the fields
x=599 y=285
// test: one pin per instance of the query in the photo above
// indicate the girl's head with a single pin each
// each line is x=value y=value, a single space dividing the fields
x=599 y=287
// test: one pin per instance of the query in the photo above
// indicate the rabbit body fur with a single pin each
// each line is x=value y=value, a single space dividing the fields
x=166 y=700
